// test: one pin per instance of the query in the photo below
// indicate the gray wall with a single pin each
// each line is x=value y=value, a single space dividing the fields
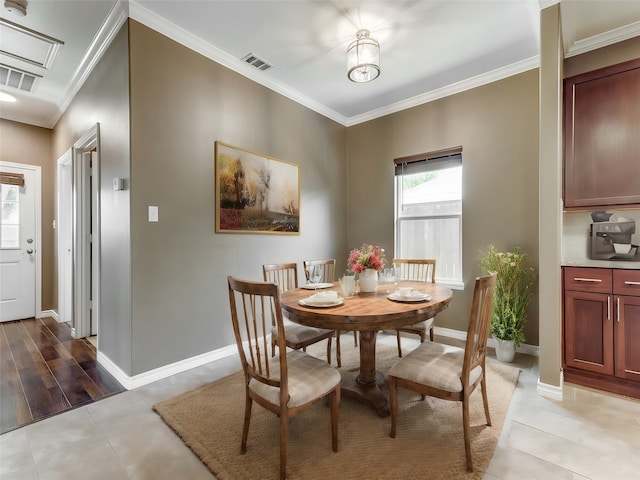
x=181 y=103
x=497 y=126
x=104 y=99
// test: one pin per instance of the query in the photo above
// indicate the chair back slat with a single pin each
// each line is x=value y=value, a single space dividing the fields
x=285 y=275
x=328 y=267
x=421 y=270
x=479 y=325
x=255 y=307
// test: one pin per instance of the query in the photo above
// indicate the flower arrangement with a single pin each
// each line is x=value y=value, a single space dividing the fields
x=512 y=294
x=365 y=257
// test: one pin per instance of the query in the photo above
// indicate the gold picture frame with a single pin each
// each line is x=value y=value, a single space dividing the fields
x=255 y=193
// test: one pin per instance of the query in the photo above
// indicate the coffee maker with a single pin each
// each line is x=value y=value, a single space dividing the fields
x=605 y=234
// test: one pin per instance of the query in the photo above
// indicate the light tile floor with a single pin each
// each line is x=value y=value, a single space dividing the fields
x=589 y=435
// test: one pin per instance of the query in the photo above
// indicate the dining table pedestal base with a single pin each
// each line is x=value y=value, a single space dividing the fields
x=367 y=393
x=365 y=386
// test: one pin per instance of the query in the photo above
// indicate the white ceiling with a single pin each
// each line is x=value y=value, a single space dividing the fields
x=429 y=48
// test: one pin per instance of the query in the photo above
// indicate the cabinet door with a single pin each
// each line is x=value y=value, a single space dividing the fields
x=627 y=341
x=588 y=331
x=601 y=121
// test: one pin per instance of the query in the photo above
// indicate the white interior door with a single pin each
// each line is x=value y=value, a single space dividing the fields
x=19 y=238
x=86 y=242
x=94 y=244
x=64 y=235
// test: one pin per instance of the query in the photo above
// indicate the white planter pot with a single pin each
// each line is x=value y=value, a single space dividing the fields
x=505 y=350
x=368 y=281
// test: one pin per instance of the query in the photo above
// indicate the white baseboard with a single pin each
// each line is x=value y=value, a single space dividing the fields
x=135 y=381
x=550 y=391
x=48 y=313
x=460 y=335
x=131 y=382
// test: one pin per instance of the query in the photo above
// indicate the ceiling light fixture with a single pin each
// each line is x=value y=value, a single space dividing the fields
x=363 y=58
x=5 y=97
x=17 y=7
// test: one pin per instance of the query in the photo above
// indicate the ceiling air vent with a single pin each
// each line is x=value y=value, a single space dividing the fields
x=19 y=79
x=255 y=61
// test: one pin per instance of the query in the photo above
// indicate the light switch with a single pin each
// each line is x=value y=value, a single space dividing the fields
x=153 y=213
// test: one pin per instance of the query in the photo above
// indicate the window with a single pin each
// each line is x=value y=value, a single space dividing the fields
x=428 y=205
x=10 y=219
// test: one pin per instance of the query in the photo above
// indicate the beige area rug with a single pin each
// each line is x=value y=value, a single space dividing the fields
x=429 y=441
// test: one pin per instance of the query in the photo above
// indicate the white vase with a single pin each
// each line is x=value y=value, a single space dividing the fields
x=368 y=281
x=505 y=350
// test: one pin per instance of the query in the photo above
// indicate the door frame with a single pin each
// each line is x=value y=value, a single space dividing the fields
x=64 y=228
x=81 y=325
x=38 y=229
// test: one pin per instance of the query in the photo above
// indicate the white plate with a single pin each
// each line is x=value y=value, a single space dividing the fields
x=423 y=297
x=310 y=303
x=313 y=286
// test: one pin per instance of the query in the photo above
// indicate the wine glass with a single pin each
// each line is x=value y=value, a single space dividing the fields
x=388 y=277
x=316 y=275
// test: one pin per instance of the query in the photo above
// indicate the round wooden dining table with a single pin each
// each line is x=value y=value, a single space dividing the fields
x=367 y=313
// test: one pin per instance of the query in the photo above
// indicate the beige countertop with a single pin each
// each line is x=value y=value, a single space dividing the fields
x=581 y=262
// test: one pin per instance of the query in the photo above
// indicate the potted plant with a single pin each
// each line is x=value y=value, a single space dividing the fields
x=515 y=277
x=367 y=261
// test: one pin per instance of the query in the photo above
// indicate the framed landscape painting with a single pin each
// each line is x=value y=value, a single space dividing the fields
x=255 y=193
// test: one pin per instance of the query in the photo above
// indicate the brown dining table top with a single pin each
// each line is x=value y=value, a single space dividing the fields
x=367 y=311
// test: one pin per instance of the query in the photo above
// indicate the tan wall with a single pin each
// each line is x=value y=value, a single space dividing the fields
x=181 y=103
x=497 y=126
x=22 y=143
x=164 y=284
x=550 y=185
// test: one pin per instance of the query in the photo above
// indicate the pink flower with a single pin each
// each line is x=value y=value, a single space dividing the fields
x=367 y=256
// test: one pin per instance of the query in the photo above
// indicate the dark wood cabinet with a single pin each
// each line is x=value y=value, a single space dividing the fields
x=601 y=328
x=627 y=332
x=588 y=326
x=601 y=140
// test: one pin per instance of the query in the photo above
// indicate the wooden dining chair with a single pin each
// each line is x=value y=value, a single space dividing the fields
x=447 y=372
x=328 y=267
x=285 y=384
x=422 y=270
x=285 y=275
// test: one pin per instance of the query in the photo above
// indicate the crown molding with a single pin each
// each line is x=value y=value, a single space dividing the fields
x=148 y=18
x=604 y=39
x=458 y=87
x=109 y=29
x=547 y=3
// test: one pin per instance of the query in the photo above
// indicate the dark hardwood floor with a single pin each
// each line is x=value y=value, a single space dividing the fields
x=44 y=371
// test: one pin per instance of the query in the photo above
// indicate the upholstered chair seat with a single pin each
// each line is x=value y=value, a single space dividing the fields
x=309 y=378
x=435 y=365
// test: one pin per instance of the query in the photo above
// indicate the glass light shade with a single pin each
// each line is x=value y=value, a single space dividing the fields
x=5 y=97
x=363 y=58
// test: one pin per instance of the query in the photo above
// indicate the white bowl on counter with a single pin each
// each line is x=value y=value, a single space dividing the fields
x=622 y=248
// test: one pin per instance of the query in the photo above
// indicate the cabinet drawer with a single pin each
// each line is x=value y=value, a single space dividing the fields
x=598 y=280
x=626 y=282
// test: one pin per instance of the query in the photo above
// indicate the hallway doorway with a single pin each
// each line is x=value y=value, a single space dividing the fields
x=78 y=236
